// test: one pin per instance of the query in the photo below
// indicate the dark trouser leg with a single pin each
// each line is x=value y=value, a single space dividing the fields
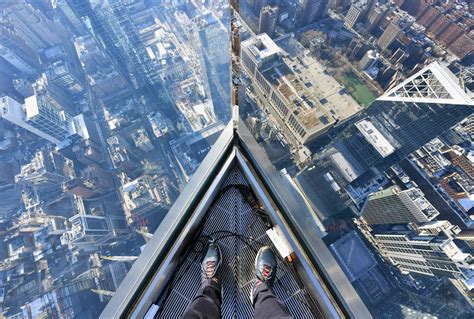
x=206 y=303
x=267 y=305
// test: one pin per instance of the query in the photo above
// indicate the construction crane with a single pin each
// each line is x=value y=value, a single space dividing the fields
x=103 y=292
x=146 y=235
x=120 y=258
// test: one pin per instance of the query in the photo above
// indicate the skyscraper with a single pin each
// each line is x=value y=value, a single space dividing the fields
x=115 y=32
x=389 y=35
x=61 y=74
x=257 y=5
x=33 y=26
x=15 y=52
x=369 y=59
x=399 y=122
x=339 y=6
x=427 y=251
x=394 y=206
x=75 y=21
x=312 y=10
x=47 y=117
x=214 y=47
x=89 y=232
x=268 y=20
x=376 y=16
x=47 y=168
x=405 y=118
x=356 y=13
x=16 y=113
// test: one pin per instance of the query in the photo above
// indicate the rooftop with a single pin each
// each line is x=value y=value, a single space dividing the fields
x=309 y=92
x=264 y=47
x=375 y=138
x=353 y=256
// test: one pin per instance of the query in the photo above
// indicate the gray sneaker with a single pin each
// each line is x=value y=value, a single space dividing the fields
x=265 y=268
x=211 y=263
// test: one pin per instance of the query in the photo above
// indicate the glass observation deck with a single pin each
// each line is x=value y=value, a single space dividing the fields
x=238 y=199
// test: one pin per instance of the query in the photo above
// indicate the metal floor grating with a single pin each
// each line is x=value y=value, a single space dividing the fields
x=232 y=213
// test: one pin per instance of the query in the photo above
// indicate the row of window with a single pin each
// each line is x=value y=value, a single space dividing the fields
x=262 y=82
x=426 y=264
x=296 y=126
x=280 y=106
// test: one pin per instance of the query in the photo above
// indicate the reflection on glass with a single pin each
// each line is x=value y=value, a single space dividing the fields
x=107 y=109
x=364 y=109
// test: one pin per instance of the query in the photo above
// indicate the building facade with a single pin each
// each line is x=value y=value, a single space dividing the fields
x=268 y=20
x=425 y=253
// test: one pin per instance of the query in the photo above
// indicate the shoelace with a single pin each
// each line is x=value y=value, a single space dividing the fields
x=266 y=271
x=210 y=268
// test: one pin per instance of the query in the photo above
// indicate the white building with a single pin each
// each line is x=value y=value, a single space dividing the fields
x=14 y=112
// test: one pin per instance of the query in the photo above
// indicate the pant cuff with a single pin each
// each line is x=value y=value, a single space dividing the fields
x=211 y=283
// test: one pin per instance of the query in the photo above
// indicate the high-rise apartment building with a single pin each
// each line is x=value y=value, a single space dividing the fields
x=462 y=47
x=14 y=112
x=89 y=232
x=312 y=10
x=389 y=35
x=357 y=12
x=268 y=20
x=47 y=168
x=427 y=15
x=376 y=16
x=437 y=27
x=427 y=251
x=357 y=48
x=394 y=206
x=451 y=33
x=47 y=117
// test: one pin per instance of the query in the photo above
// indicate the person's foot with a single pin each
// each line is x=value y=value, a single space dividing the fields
x=265 y=269
x=211 y=262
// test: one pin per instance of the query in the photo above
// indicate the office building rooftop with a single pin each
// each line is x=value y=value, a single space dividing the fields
x=304 y=96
